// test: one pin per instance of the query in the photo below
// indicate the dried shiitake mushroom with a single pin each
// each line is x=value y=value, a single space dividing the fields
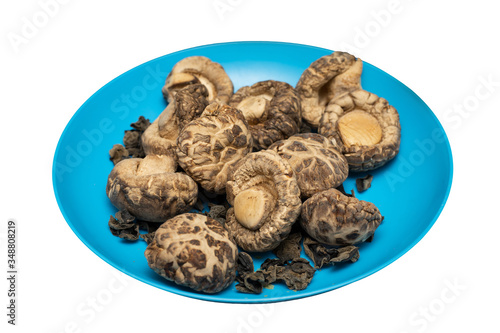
x=333 y=218
x=263 y=191
x=198 y=69
x=272 y=109
x=194 y=251
x=160 y=137
x=315 y=86
x=365 y=127
x=315 y=160
x=210 y=144
x=150 y=189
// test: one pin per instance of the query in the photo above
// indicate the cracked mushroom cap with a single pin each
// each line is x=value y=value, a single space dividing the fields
x=333 y=218
x=160 y=137
x=315 y=86
x=150 y=189
x=272 y=109
x=210 y=144
x=198 y=69
x=366 y=128
x=263 y=191
x=315 y=160
x=194 y=251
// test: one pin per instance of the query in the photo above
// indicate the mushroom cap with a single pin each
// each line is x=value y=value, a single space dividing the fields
x=333 y=218
x=316 y=162
x=315 y=84
x=195 y=251
x=210 y=144
x=383 y=124
x=199 y=69
x=267 y=172
x=150 y=189
x=190 y=103
x=272 y=109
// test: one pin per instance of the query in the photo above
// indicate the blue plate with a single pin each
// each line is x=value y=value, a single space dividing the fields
x=410 y=191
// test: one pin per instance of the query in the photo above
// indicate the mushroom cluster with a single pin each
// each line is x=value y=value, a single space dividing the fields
x=251 y=152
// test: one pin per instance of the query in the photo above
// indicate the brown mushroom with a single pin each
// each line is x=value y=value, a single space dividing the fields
x=194 y=251
x=315 y=160
x=263 y=191
x=366 y=128
x=272 y=109
x=210 y=144
x=198 y=69
x=333 y=218
x=150 y=189
x=160 y=137
x=315 y=86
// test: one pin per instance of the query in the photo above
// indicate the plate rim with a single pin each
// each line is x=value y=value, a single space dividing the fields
x=243 y=300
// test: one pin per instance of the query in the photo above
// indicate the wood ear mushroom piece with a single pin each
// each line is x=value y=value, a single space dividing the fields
x=194 y=251
x=150 y=189
x=160 y=137
x=315 y=160
x=263 y=191
x=210 y=144
x=198 y=69
x=333 y=218
x=366 y=128
x=315 y=86
x=272 y=109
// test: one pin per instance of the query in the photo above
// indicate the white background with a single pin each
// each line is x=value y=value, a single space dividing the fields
x=442 y=50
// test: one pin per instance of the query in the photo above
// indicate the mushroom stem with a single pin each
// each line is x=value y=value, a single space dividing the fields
x=252 y=207
x=253 y=108
x=359 y=128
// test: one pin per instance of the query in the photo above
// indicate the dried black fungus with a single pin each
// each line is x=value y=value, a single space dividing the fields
x=364 y=183
x=118 y=153
x=244 y=263
x=149 y=237
x=319 y=254
x=290 y=247
x=126 y=226
x=131 y=141
x=141 y=124
x=252 y=283
x=322 y=255
x=296 y=273
x=123 y=225
x=217 y=212
x=346 y=253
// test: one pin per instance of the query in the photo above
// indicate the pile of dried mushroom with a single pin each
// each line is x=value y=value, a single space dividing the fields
x=272 y=158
